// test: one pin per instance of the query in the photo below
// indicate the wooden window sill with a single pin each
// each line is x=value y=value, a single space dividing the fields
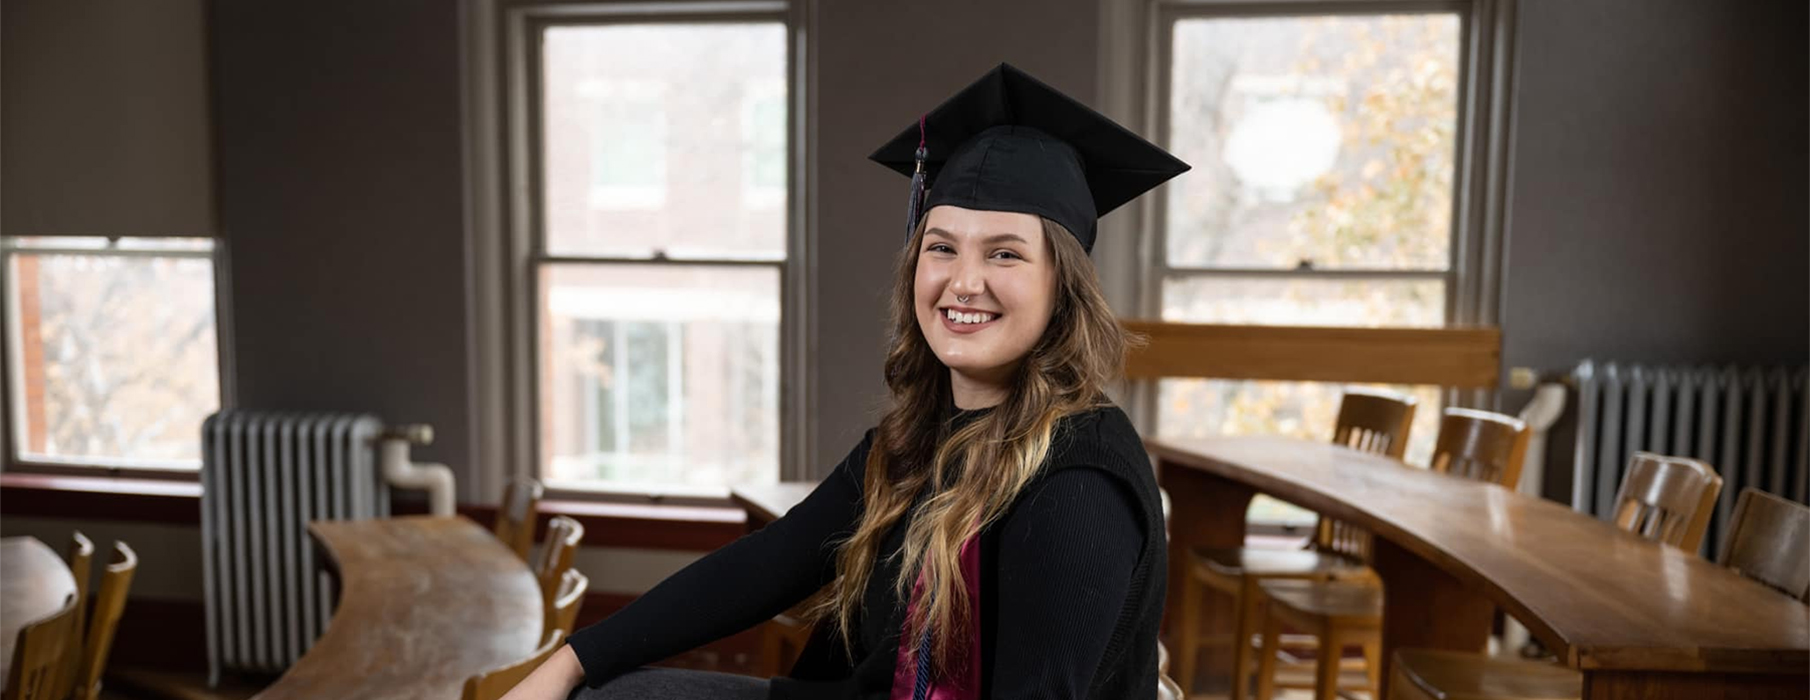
x=101 y=497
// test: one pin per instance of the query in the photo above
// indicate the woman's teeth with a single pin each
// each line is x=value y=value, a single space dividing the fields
x=977 y=317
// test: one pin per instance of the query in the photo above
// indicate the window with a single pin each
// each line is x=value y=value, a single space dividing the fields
x=111 y=351
x=1325 y=159
x=627 y=135
x=764 y=157
x=663 y=167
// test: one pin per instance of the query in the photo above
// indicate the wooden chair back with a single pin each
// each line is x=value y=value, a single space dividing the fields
x=109 y=605
x=563 y=614
x=493 y=684
x=1667 y=499
x=38 y=658
x=81 y=568
x=1374 y=421
x=555 y=556
x=515 y=515
x=1166 y=687
x=1769 y=541
x=1340 y=537
x=1480 y=445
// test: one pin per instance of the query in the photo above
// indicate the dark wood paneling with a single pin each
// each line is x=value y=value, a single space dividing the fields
x=682 y=528
x=168 y=635
x=101 y=498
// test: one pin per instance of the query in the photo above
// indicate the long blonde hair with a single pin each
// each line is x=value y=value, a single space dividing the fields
x=978 y=470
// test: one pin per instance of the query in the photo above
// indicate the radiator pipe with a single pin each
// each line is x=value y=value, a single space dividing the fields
x=393 y=459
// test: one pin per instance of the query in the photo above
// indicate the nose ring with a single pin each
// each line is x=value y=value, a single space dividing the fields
x=962 y=299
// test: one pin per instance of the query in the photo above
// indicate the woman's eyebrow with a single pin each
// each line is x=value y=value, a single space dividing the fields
x=995 y=238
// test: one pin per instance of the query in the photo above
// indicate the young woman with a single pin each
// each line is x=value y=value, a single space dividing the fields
x=998 y=534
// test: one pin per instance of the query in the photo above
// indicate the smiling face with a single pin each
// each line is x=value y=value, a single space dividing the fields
x=1004 y=268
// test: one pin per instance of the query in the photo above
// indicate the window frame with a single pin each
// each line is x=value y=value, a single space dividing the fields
x=1482 y=166
x=511 y=96
x=1158 y=268
x=1481 y=163
x=11 y=405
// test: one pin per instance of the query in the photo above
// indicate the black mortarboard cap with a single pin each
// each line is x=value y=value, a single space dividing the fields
x=1008 y=142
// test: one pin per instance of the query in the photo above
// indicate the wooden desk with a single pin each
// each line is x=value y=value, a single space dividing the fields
x=1638 y=619
x=34 y=582
x=766 y=503
x=425 y=602
x=783 y=637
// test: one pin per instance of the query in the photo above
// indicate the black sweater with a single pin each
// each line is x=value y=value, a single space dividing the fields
x=1072 y=583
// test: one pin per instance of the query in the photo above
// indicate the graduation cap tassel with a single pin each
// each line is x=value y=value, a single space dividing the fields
x=915 y=207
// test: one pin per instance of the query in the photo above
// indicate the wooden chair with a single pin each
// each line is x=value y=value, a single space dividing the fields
x=1667 y=499
x=555 y=558
x=1770 y=542
x=1664 y=499
x=1339 y=614
x=109 y=605
x=37 y=662
x=1369 y=420
x=564 y=614
x=81 y=569
x=1168 y=689
x=492 y=684
x=782 y=639
x=1374 y=421
x=562 y=588
x=1472 y=444
x=1481 y=446
x=515 y=515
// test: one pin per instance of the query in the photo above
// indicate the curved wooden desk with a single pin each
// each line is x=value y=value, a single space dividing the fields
x=424 y=603
x=34 y=582
x=1638 y=619
x=766 y=503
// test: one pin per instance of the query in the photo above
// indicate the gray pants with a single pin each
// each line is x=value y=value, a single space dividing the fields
x=675 y=684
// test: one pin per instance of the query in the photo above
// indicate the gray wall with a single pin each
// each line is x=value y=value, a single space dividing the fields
x=880 y=65
x=1657 y=210
x=342 y=204
x=105 y=119
x=1659 y=186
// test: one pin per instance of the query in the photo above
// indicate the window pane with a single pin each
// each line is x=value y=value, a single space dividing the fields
x=115 y=359
x=1211 y=407
x=665 y=138
x=660 y=375
x=1305 y=302
x=1325 y=139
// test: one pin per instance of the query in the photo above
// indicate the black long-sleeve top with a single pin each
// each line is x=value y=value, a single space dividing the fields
x=1071 y=583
